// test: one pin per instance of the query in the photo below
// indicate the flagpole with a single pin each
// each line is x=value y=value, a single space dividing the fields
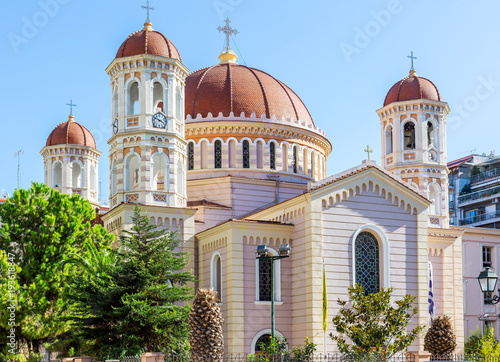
x=325 y=309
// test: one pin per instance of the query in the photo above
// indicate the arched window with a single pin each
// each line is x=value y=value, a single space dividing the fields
x=58 y=175
x=218 y=154
x=367 y=259
x=262 y=343
x=388 y=140
x=114 y=178
x=132 y=174
x=216 y=275
x=180 y=178
x=133 y=98
x=160 y=172
x=272 y=156
x=178 y=105
x=260 y=154
x=157 y=97
x=264 y=278
x=295 y=161
x=246 y=154
x=436 y=200
x=232 y=154
x=409 y=136
x=431 y=135
x=203 y=154
x=76 y=174
x=190 y=156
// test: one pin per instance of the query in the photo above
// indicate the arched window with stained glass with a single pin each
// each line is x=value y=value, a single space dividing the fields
x=190 y=156
x=272 y=156
x=218 y=154
x=246 y=154
x=367 y=259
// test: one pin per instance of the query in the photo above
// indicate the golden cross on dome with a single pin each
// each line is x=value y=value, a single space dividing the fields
x=368 y=150
x=71 y=105
x=228 y=31
x=147 y=7
x=412 y=57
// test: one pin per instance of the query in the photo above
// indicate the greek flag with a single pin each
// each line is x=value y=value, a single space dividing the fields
x=431 y=294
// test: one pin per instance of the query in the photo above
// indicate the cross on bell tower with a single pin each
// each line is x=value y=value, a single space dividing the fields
x=228 y=31
x=147 y=7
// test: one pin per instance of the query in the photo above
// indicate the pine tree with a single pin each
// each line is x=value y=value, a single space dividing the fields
x=440 y=340
x=130 y=304
x=205 y=323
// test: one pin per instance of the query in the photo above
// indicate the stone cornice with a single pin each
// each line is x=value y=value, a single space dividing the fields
x=138 y=62
x=257 y=126
x=426 y=105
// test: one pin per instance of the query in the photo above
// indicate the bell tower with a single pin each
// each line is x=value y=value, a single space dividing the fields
x=147 y=144
x=413 y=134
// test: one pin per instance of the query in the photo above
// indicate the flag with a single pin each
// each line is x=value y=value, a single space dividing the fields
x=431 y=294
x=325 y=301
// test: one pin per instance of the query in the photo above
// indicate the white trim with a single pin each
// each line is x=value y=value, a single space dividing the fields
x=260 y=334
x=277 y=279
x=384 y=253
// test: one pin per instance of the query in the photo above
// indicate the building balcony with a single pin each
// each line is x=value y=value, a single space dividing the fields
x=485 y=177
x=480 y=220
x=479 y=196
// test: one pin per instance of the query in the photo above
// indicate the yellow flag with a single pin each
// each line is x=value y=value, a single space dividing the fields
x=325 y=302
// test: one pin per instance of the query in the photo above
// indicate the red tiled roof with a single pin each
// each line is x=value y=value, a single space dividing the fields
x=460 y=161
x=148 y=41
x=412 y=87
x=72 y=133
x=237 y=88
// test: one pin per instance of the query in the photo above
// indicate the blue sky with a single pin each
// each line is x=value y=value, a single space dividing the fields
x=340 y=57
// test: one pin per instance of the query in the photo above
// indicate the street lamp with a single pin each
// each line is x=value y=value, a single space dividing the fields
x=262 y=253
x=487 y=282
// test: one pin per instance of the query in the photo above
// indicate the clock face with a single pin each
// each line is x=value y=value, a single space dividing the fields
x=159 y=120
x=115 y=126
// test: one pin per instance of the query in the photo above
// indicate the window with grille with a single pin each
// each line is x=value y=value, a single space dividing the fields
x=246 y=154
x=272 y=156
x=218 y=154
x=367 y=259
x=295 y=160
x=487 y=257
x=191 y=156
x=265 y=280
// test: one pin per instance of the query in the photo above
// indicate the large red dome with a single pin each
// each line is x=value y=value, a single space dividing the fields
x=230 y=87
x=411 y=88
x=71 y=133
x=148 y=41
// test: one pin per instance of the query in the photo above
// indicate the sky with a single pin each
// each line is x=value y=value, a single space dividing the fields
x=341 y=57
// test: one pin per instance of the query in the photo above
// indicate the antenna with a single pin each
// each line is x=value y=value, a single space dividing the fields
x=18 y=155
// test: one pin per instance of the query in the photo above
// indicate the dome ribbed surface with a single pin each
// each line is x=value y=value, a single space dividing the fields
x=411 y=88
x=236 y=88
x=71 y=133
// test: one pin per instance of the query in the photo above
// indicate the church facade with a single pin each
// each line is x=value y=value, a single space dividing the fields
x=230 y=158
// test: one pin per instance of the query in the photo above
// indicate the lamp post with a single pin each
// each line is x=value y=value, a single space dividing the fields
x=262 y=253
x=487 y=282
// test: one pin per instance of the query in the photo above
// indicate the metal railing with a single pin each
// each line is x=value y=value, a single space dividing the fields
x=485 y=175
x=479 y=194
x=465 y=357
x=480 y=218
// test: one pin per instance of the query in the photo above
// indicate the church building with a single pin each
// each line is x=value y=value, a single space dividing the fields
x=230 y=158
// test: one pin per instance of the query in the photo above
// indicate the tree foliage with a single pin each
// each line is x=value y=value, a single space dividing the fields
x=128 y=302
x=372 y=325
x=40 y=228
x=484 y=345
